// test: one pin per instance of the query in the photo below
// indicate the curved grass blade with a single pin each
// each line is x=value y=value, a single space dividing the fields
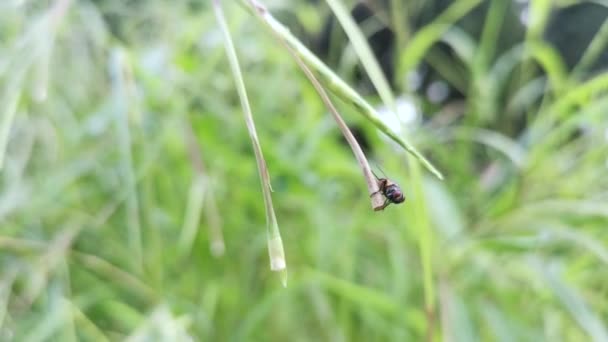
x=336 y=84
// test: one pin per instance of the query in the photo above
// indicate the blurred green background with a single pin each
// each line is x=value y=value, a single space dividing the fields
x=131 y=207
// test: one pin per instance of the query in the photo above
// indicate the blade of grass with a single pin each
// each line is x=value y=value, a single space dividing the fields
x=119 y=69
x=550 y=60
x=574 y=303
x=216 y=237
x=56 y=316
x=400 y=22
x=42 y=68
x=192 y=214
x=455 y=315
x=6 y=285
x=594 y=111
x=594 y=50
x=275 y=244
x=366 y=56
x=453 y=74
x=367 y=298
x=28 y=49
x=503 y=67
x=539 y=11
x=463 y=44
x=10 y=101
x=507 y=146
x=115 y=274
x=493 y=23
x=50 y=261
x=537 y=17
x=482 y=94
x=431 y=33
x=86 y=325
x=559 y=109
x=420 y=219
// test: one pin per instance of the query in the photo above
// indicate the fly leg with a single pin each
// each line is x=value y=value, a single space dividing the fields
x=386 y=203
x=381 y=186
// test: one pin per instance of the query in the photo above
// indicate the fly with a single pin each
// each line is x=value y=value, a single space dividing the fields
x=391 y=191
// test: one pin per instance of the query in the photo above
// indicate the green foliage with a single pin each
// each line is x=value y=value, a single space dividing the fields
x=108 y=217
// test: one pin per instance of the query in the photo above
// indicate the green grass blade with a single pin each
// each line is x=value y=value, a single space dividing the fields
x=119 y=70
x=366 y=56
x=422 y=41
x=593 y=51
x=575 y=304
x=275 y=244
x=338 y=86
x=192 y=214
x=9 y=101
